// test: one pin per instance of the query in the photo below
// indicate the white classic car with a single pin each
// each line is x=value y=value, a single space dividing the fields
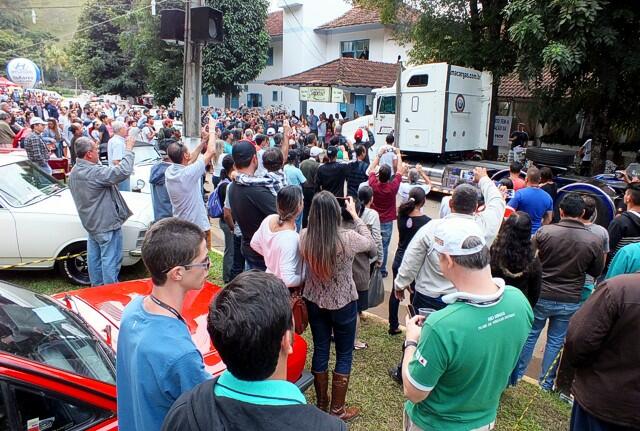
x=39 y=221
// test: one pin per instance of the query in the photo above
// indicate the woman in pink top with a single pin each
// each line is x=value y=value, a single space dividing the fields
x=277 y=240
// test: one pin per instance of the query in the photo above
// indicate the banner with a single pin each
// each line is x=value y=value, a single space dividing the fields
x=315 y=94
x=501 y=131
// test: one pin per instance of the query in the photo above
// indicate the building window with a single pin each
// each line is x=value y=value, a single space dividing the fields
x=270 y=56
x=355 y=49
x=254 y=100
x=274 y=96
x=418 y=81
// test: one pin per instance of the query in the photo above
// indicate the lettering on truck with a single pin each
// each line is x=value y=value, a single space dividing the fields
x=464 y=75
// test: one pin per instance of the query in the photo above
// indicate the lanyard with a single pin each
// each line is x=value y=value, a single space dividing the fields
x=168 y=308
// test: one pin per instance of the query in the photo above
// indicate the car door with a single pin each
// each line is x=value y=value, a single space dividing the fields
x=9 y=250
x=36 y=409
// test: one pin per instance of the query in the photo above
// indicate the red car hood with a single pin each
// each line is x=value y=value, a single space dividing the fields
x=102 y=307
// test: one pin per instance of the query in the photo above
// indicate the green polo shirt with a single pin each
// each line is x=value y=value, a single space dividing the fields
x=263 y=392
x=464 y=358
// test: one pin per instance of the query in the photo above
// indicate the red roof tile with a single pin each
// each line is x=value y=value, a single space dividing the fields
x=344 y=72
x=274 y=23
x=512 y=88
x=354 y=16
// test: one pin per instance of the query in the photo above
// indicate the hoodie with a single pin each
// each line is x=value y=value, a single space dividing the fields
x=200 y=409
x=623 y=230
x=159 y=196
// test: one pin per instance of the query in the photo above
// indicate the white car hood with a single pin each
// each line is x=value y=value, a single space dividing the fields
x=62 y=204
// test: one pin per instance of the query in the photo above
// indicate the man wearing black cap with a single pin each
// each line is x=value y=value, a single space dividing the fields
x=251 y=201
x=331 y=175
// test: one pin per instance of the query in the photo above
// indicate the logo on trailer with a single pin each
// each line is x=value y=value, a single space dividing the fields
x=459 y=103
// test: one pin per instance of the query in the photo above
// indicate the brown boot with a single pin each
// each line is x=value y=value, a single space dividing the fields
x=321 y=385
x=339 y=387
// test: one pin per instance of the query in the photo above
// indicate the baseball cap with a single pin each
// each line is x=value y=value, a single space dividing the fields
x=332 y=151
x=271 y=131
x=449 y=236
x=36 y=120
x=315 y=151
x=358 y=134
x=242 y=152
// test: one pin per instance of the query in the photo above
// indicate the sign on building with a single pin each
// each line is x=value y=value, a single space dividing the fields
x=337 y=95
x=315 y=94
x=501 y=131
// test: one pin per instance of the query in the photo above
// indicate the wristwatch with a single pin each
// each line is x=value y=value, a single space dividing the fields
x=408 y=343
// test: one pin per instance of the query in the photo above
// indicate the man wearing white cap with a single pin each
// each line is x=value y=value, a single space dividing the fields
x=37 y=150
x=458 y=360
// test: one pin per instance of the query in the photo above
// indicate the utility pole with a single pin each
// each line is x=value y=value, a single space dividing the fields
x=192 y=80
x=397 y=123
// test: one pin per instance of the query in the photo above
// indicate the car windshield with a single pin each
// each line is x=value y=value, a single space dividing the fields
x=145 y=153
x=38 y=328
x=23 y=183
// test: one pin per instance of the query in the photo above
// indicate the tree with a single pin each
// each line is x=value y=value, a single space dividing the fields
x=16 y=40
x=96 y=56
x=159 y=62
x=467 y=33
x=55 y=63
x=590 y=47
x=243 y=54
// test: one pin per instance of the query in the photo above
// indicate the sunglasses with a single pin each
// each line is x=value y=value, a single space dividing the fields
x=206 y=264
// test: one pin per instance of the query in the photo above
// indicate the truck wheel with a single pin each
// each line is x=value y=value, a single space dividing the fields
x=605 y=207
x=76 y=269
x=550 y=156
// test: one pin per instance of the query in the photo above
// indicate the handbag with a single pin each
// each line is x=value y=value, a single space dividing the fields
x=299 y=310
x=376 y=289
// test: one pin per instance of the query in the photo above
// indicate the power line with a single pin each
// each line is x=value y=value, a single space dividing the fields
x=322 y=58
x=89 y=27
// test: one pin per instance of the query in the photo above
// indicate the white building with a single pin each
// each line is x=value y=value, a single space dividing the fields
x=307 y=34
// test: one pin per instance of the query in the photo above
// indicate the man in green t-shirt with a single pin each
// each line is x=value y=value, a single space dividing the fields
x=458 y=360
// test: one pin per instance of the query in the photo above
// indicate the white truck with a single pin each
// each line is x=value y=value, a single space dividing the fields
x=444 y=113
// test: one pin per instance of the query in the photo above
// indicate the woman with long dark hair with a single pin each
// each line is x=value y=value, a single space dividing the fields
x=330 y=292
x=410 y=220
x=277 y=238
x=513 y=258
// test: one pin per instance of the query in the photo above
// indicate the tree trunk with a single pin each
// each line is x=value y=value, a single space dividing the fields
x=600 y=142
x=227 y=100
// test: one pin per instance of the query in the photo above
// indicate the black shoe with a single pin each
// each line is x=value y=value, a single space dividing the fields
x=394 y=331
x=395 y=376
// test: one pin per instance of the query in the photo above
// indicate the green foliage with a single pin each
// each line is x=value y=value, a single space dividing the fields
x=98 y=60
x=16 y=39
x=159 y=63
x=590 y=48
x=243 y=54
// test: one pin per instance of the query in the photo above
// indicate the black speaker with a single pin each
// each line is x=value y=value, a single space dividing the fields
x=172 y=25
x=206 y=24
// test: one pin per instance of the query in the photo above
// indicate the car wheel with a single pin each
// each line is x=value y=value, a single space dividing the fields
x=550 y=156
x=605 y=206
x=75 y=269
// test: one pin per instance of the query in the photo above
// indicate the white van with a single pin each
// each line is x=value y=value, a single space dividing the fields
x=444 y=108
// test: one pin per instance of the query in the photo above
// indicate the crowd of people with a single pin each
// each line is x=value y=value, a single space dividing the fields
x=306 y=211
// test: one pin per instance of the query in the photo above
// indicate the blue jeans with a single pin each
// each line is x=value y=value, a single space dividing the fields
x=238 y=257
x=342 y=323
x=582 y=420
x=227 y=260
x=125 y=186
x=104 y=255
x=386 y=229
x=559 y=314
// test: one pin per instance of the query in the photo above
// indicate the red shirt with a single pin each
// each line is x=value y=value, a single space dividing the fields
x=384 y=196
x=518 y=183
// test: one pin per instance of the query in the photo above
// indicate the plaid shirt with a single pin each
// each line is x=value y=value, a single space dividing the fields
x=37 y=151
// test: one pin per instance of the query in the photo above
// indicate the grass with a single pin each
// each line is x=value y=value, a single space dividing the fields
x=381 y=400
x=523 y=408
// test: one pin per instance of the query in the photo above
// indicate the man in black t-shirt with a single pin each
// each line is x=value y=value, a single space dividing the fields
x=250 y=200
x=519 y=138
x=104 y=133
x=331 y=175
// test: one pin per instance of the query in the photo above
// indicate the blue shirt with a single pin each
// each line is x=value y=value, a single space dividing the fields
x=263 y=392
x=156 y=362
x=535 y=202
x=295 y=177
